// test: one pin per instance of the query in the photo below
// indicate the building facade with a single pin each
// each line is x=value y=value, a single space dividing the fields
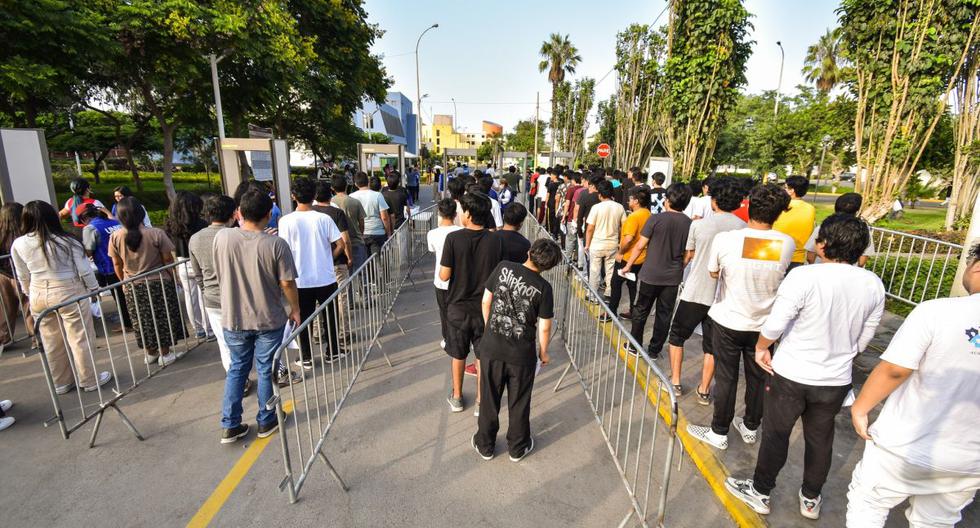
x=442 y=134
x=395 y=118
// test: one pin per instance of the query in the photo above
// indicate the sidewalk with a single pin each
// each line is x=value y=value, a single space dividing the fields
x=405 y=457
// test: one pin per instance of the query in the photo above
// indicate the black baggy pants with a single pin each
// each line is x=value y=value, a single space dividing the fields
x=730 y=346
x=519 y=381
x=616 y=286
x=665 y=297
x=309 y=300
x=785 y=402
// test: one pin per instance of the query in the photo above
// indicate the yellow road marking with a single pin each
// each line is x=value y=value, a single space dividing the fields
x=710 y=466
x=220 y=495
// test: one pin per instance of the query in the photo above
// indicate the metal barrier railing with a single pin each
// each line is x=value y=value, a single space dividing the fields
x=351 y=320
x=629 y=395
x=912 y=267
x=10 y=290
x=84 y=333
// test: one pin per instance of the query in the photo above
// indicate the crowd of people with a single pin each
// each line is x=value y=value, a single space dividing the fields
x=743 y=264
x=734 y=259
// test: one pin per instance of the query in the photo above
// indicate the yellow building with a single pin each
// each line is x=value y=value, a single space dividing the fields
x=442 y=134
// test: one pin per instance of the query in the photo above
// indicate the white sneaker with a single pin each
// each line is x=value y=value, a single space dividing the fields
x=745 y=492
x=104 y=378
x=5 y=405
x=64 y=389
x=166 y=359
x=6 y=422
x=810 y=508
x=749 y=436
x=150 y=359
x=706 y=435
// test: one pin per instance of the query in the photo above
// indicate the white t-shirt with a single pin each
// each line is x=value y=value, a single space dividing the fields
x=607 y=216
x=699 y=206
x=751 y=264
x=309 y=235
x=498 y=218
x=373 y=203
x=933 y=419
x=437 y=239
x=542 y=190
x=811 y=245
x=826 y=314
x=700 y=287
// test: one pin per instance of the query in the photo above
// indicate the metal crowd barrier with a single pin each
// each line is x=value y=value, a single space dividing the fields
x=356 y=314
x=10 y=325
x=912 y=267
x=630 y=396
x=105 y=343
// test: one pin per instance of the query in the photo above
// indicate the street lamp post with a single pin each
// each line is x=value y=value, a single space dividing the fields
x=779 y=85
x=418 y=93
x=455 y=116
x=214 y=60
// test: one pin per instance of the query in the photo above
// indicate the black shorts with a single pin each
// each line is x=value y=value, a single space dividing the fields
x=465 y=331
x=687 y=317
x=442 y=299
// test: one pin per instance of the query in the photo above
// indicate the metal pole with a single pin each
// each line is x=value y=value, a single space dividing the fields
x=779 y=86
x=217 y=94
x=78 y=161
x=455 y=117
x=418 y=95
x=537 y=108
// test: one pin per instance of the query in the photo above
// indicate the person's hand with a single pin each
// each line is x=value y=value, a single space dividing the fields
x=860 y=422
x=295 y=317
x=764 y=359
x=543 y=356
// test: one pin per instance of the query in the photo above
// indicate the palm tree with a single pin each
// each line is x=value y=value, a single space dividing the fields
x=559 y=57
x=824 y=65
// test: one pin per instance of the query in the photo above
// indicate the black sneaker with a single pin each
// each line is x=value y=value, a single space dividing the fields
x=285 y=378
x=483 y=455
x=267 y=430
x=521 y=456
x=230 y=436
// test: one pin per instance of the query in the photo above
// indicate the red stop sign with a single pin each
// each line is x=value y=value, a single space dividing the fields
x=603 y=150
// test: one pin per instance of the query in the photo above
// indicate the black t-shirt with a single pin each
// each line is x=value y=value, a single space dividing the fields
x=667 y=233
x=658 y=200
x=339 y=217
x=513 y=180
x=585 y=203
x=472 y=255
x=552 y=187
x=520 y=298
x=397 y=201
x=515 y=246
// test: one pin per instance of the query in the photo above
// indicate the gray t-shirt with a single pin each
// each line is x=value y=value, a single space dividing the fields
x=667 y=233
x=201 y=246
x=699 y=286
x=373 y=203
x=249 y=266
x=355 y=214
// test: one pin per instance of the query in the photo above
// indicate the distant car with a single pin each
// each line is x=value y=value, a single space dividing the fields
x=847 y=176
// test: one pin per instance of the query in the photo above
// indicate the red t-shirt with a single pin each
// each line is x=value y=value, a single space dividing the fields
x=743 y=211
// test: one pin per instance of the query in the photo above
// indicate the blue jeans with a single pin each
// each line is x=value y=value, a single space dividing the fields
x=374 y=243
x=244 y=346
x=359 y=255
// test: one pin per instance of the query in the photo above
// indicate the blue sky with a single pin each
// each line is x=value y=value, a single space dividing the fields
x=485 y=52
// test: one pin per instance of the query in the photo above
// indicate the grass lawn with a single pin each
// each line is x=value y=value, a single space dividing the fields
x=921 y=219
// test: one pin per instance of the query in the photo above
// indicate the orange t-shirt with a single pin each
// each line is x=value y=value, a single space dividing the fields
x=632 y=226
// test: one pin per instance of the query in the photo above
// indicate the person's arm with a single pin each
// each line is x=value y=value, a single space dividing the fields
x=340 y=247
x=589 y=231
x=21 y=270
x=637 y=248
x=292 y=296
x=544 y=339
x=785 y=309
x=117 y=266
x=487 y=303
x=90 y=240
x=871 y=323
x=347 y=248
x=688 y=256
x=623 y=246
x=198 y=272
x=84 y=268
x=884 y=379
x=386 y=219
x=445 y=273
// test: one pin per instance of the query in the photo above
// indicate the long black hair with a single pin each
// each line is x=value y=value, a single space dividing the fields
x=42 y=220
x=10 y=215
x=183 y=213
x=131 y=214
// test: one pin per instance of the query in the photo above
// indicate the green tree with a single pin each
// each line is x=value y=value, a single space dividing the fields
x=824 y=64
x=707 y=49
x=907 y=57
x=640 y=53
x=559 y=56
x=522 y=138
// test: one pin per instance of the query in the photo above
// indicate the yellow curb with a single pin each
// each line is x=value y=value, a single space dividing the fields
x=704 y=458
